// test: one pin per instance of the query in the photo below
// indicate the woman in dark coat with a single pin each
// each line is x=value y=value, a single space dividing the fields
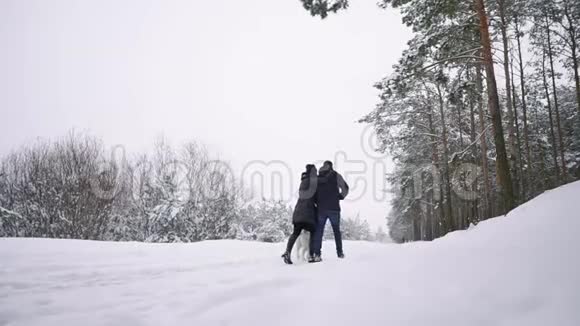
x=304 y=217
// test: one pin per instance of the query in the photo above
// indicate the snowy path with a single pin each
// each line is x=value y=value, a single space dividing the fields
x=522 y=269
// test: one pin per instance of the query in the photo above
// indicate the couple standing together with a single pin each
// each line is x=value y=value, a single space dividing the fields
x=319 y=199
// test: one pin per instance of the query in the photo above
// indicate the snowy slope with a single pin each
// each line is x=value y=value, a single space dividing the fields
x=522 y=269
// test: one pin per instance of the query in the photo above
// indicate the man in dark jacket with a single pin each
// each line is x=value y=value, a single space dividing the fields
x=304 y=216
x=330 y=191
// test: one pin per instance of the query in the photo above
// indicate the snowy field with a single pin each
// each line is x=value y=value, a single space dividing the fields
x=522 y=269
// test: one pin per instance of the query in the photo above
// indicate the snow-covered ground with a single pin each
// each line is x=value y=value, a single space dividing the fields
x=522 y=269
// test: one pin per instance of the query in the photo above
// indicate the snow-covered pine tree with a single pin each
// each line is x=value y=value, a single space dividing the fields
x=433 y=106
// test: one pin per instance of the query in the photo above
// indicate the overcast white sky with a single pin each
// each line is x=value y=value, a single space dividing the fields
x=253 y=80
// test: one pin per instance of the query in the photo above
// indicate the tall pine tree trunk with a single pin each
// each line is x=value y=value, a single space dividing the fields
x=459 y=108
x=449 y=222
x=437 y=187
x=503 y=168
x=416 y=224
x=509 y=104
x=518 y=135
x=524 y=107
x=483 y=141
x=429 y=221
x=571 y=29
x=555 y=94
x=472 y=140
x=552 y=133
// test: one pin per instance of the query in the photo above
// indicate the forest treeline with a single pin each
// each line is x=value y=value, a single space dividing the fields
x=482 y=111
x=73 y=188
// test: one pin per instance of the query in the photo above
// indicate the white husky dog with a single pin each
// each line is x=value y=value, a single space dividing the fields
x=302 y=246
